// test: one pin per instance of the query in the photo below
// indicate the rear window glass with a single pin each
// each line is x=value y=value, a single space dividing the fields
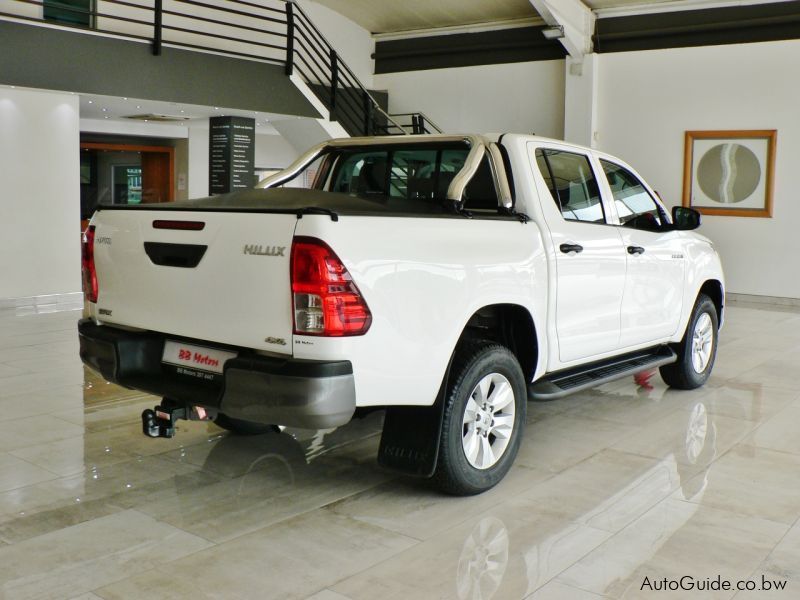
x=401 y=173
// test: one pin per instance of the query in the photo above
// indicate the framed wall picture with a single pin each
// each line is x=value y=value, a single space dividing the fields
x=730 y=173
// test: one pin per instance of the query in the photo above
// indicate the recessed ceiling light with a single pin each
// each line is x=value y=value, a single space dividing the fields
x=138 y=106
x=105 y=110
x=183 y=111
x=216 y=108
x=91 y=102
x=124 y=98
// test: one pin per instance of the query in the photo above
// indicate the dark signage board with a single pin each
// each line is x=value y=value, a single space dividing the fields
x=231 y=154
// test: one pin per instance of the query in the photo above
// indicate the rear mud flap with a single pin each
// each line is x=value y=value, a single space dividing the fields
x=411 y=436
x=410 y=440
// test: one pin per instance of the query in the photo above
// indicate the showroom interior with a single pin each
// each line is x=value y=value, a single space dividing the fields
x=616 y=489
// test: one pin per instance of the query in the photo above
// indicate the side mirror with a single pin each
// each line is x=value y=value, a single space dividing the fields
x=685 y=219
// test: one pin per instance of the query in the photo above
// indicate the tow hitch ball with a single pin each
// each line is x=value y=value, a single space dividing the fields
x=160 y=421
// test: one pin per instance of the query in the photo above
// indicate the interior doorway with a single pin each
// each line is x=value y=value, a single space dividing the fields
x=125 y=174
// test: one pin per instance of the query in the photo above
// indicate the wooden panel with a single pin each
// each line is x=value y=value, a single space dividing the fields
x=156 y=177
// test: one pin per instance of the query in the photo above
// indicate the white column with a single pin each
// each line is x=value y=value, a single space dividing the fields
x=580 y=100
x=198 y=158
x=40 y=224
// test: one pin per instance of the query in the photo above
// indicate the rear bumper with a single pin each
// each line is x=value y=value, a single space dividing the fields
x=296 y=393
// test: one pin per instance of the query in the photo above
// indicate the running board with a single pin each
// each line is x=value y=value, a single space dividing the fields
x=561 y=383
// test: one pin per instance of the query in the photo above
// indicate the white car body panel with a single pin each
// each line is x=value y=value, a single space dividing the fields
x=229 y=298
x=422 y=278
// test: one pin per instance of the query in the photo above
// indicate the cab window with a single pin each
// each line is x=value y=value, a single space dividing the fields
x=572 y=184
x=635 y=206
x=403 y=173
x=414 y=174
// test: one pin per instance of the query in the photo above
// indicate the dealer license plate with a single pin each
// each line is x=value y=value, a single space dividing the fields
x=198 y=358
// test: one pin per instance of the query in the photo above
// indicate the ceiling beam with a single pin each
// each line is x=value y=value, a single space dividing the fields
x=574 y=18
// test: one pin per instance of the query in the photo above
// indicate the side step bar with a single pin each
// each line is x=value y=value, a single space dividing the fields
x=562 y=383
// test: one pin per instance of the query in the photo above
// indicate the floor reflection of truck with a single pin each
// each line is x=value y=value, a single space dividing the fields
x=495 y=563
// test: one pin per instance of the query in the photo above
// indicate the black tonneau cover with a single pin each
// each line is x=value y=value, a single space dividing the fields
x=297 y=200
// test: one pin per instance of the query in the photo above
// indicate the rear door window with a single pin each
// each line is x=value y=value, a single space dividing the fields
x=572 y=183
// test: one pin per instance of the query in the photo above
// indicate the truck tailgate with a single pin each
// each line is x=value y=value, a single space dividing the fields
x=227 y=282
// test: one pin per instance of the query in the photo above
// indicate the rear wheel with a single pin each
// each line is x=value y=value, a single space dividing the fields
x=697 y=350
x=484 y=416
x=240 y=427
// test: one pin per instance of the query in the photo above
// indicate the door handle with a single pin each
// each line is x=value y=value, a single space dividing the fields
x=569 y=248
x=635 y=250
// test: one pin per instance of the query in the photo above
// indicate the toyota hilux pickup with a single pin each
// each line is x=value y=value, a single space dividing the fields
x=446 y=279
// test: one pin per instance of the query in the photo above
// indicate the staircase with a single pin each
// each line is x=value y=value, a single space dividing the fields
x=314 y=64
x=270 y=31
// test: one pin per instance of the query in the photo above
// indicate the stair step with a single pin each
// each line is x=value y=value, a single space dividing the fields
x=561 y=383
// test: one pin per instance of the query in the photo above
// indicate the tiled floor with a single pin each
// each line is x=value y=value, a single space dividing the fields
x=611 y=487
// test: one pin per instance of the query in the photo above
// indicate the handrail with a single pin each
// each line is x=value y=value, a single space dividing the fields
x=274 y=31
x=425 y=117
x=307 y=23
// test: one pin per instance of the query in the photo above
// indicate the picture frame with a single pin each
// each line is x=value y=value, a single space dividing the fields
x=730 y=173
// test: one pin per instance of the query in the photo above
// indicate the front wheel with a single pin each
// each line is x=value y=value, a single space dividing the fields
x=484 y=417
x=697 y=350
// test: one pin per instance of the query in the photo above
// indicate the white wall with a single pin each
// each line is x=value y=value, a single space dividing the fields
x=353 y=43
x=198 y=158
x=39 y=194
x=517 y=97
x=273 y=151
x=647 y=100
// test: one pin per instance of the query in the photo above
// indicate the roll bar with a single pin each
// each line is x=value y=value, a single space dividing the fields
x=479 y=147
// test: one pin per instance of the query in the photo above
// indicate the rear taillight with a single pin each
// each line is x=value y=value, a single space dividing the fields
x=326 y=300
x=87 y=263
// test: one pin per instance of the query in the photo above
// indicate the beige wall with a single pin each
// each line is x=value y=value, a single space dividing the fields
x=647 y=100
x=517 y=97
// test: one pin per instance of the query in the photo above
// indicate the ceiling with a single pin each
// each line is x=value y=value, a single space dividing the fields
x=393 y=16
x=114 y=108
x=389 y=16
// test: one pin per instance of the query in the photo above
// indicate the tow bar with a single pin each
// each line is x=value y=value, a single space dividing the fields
x=160 y=421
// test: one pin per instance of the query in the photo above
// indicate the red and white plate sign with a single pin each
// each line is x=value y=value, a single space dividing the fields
x=195 y=357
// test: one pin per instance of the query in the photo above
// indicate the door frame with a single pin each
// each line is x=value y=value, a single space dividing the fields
x=169 y=150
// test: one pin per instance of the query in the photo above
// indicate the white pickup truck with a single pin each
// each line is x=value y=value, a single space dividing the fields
x=446 y=279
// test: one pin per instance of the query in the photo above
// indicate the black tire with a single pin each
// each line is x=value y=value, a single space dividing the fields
x=240 y=427
x=682 y=374
x=473 y=362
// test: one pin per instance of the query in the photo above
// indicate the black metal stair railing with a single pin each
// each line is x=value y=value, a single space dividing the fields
x=416 y=123
x=334 y=83
x=271 y=31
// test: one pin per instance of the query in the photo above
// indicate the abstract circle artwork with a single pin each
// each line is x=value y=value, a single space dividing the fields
x=729 y=173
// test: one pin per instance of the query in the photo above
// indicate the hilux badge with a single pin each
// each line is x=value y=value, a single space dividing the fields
x=259 y=250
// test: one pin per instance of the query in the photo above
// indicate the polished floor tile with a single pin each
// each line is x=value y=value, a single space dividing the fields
x=298 y=557
x=508 y=551
x=611 y=486
x=672 y=540
x=83 y=557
